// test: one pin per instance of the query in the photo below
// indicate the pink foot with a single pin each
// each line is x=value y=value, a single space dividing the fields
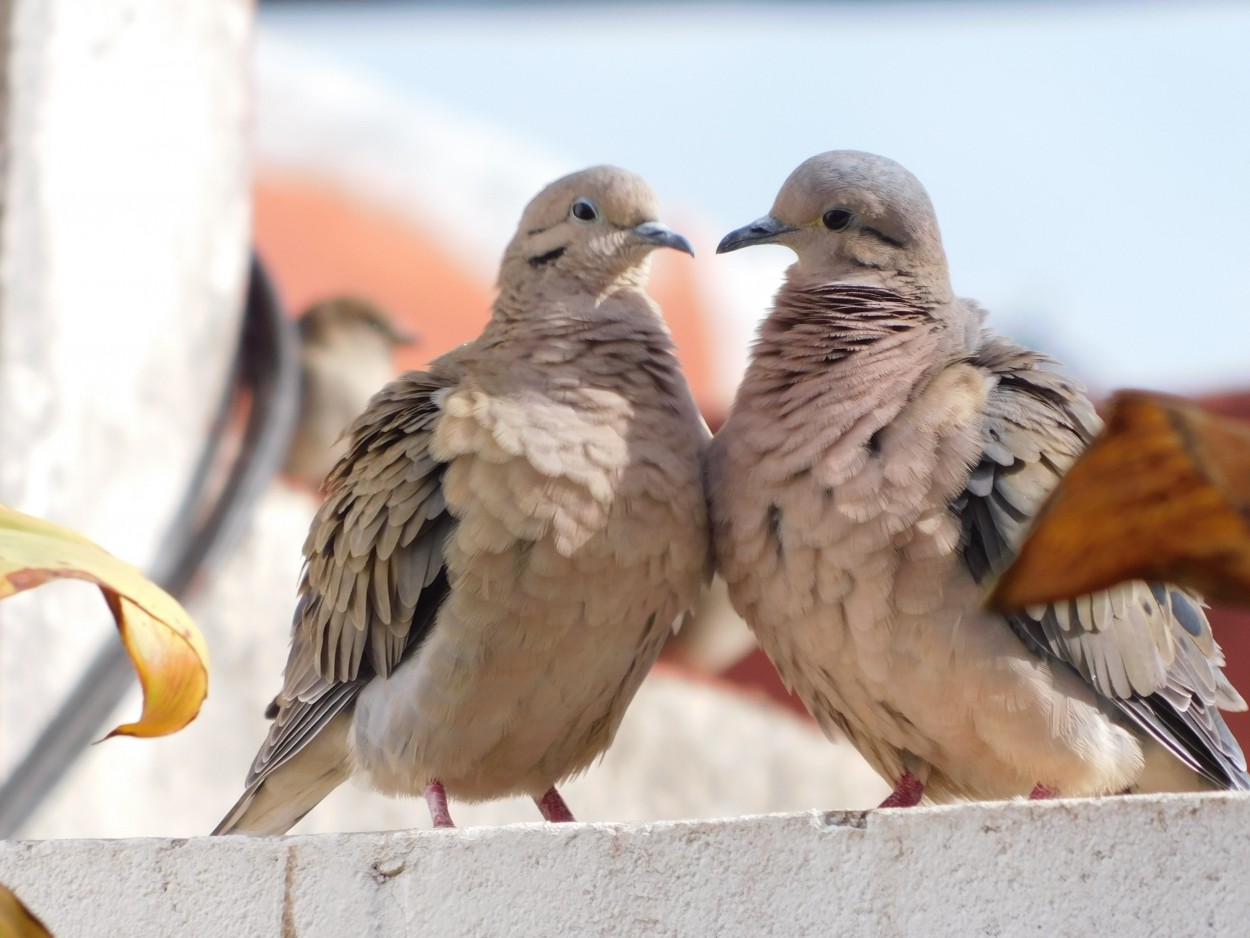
x=436 y=798
x=907 y=793
x=1042 y=792
x=553 y=807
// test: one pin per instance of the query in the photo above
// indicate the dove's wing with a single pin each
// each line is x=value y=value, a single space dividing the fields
x=1147 y=647
x=374 y=574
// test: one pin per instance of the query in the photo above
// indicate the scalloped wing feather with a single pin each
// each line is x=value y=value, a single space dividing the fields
x=1148 y=648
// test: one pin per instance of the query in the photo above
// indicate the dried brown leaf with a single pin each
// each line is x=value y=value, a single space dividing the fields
x=17 y=921
x=166 y=648
x=1163 y=493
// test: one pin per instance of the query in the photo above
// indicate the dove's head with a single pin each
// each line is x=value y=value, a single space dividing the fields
x=852 y=216
x=596 y=226
x=347 y=321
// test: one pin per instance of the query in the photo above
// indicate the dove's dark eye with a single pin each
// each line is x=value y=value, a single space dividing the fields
x=837 y=219
x=583 y=210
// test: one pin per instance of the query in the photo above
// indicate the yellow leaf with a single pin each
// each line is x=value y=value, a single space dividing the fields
x=17 y=921
x=1163 y=493
x=165 y=647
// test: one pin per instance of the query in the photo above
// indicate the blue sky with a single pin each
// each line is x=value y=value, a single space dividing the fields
x=1090 y=163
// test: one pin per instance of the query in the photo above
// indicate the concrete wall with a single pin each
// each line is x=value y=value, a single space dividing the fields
x=1169 y=866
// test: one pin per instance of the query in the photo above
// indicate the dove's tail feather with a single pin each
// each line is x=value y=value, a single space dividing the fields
x=275 y=801
x=1163 y=772
x=271 y=807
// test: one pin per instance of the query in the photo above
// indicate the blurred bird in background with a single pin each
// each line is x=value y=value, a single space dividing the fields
x=347 y=347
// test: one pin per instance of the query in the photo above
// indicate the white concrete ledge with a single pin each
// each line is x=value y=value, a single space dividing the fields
x=1169 y=866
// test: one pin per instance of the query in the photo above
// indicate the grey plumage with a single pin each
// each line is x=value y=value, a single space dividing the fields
x=882 y=459
x=508 y=539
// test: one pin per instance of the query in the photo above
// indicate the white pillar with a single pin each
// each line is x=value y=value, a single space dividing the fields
x=123 y=251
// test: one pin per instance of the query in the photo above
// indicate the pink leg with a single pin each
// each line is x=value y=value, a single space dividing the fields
x=1042 y=792
x=436 y=798
x=553 y=807
x=907 y=793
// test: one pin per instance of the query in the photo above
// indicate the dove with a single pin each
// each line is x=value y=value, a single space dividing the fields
x=508 y=541
x=346 y=345
x=880 y=464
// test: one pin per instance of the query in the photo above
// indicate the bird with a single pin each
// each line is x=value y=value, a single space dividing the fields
x=346 y=348
x=508 y=541
x=881 y=461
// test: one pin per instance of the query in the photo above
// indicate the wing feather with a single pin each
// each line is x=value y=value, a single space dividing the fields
x=1147 y=648
x=373 y=577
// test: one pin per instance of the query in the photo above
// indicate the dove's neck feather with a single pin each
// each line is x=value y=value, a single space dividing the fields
x=841 y=327
x=850 y=353
x=618 y=342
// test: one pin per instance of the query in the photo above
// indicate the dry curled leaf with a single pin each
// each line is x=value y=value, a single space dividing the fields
x=165 y=647
x=17 y=921
x=1163 y=493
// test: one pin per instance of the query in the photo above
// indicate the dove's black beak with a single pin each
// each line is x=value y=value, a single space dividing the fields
x=764 y=230
x=399 y=336
x=652 y=232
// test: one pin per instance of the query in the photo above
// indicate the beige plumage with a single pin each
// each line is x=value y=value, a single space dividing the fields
x=346 y=349
x=880 y=463
x=508 y=541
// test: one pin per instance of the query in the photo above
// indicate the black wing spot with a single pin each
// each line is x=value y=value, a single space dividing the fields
x=1187 y=614
x=774 y=528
